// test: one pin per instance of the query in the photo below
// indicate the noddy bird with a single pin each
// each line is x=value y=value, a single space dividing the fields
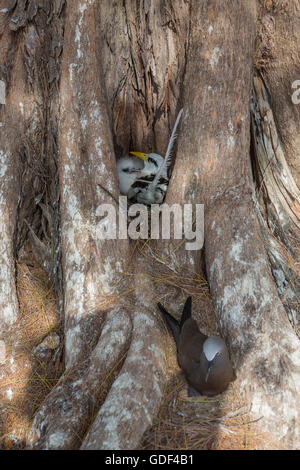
x=204 y=360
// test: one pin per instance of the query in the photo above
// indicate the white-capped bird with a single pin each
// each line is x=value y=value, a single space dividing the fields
x=144 y=177
x=204 y=360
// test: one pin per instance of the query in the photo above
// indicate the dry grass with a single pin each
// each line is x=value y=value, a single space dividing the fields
x=219 y=423
x=30 y=376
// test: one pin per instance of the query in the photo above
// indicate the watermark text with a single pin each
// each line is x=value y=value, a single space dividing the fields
x=161 y=221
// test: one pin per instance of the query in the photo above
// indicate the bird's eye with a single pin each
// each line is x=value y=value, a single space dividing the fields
x=152 y=161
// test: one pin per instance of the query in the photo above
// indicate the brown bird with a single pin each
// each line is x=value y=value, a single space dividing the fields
x=204 y=360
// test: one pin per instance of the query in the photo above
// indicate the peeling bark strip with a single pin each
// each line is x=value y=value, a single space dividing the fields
x=91 y=266
x=276 y=177
x=212 y=164
x=279 y=194
x=278 y=58
x=68 y=410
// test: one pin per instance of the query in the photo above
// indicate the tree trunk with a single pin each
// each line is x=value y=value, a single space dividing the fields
x=213 y=157
x=87 y=81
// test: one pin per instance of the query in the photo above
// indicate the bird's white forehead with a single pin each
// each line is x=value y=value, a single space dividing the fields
x=212 y=346
x=158 y=158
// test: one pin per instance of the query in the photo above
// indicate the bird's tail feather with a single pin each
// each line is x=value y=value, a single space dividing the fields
x=167 y=161
x=172 y=323
x=186 y=312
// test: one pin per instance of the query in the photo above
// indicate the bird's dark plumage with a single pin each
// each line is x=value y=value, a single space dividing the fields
x=172 y=323
x=204 y=360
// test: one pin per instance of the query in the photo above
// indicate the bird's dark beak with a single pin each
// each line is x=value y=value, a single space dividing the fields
x=208 y=366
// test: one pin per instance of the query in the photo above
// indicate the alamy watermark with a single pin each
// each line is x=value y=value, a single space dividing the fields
x=296 y=94
x=140 y=222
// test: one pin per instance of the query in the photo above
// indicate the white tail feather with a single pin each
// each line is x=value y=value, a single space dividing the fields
x=167 y=161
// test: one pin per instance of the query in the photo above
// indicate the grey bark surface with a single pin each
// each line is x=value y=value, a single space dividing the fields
x=277 y=56
x=66 y=413
x=212 y=164
x=78 y=95
x=92 y=268
x=277 y=202
x=25 y=139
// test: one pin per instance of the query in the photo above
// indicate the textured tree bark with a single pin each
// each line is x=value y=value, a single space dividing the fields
x=278 y=59
x=92 y=269
x=212 y=157
x=277 y=203
x=126 y=415
x=66 y=413
x=89 y=80
x=9 y=172
x=276 y=130
x=23 y=143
